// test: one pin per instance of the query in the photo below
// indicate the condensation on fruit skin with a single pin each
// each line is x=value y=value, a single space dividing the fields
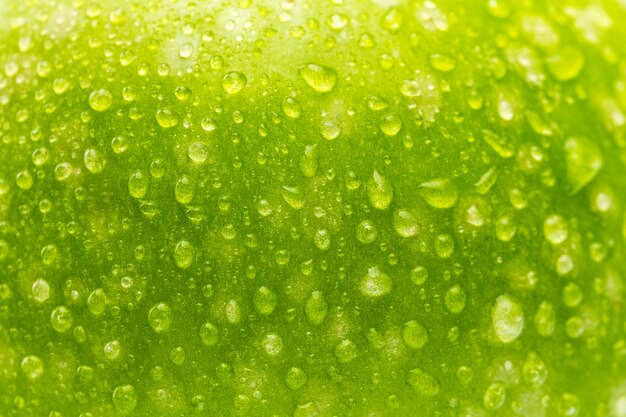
x=379 y=191
x=507 y=318
x=375 y=283
x=160 y=318
x=320 y=78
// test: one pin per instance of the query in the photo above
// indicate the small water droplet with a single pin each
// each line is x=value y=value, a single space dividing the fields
x=316 y=308
x=61 y=319
x=346 y=351
x=160 y=318
x=507 y=319
x=414 y=334
x=376 y=283
x=233 y=82
x=125 y=398
x=100 y=100
x=379 y=191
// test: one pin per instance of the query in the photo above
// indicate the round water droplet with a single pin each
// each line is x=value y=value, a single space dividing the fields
x=423 y=383
x=419 y=275
x=569 y=405
x=160 y=318
x=507 y=318
x=346 y=351
x=444 y=246
x=442 y=62
x=572 y=295
x=166 y=118
x=330 y=130
x=379 y=191
x=185 y=50
x=455 y=299
x=391 y=125
x=405 y=223
x=494 y=396
x=184 y=190
x=272 y=344
x=100 y=100
x=296 y=378
x=177 y=355
x=292 y=108
x=112 y=350
x=61 y=319
x=555 y=229
x=376 y=283
x=32 y=367
x=265 y=301
x=234 y=82
x=184 y=254
x=208 y=334
x=319 y=77
x=322 y=240
x=138 y=185
x=94 y=161
x=125 y=398
x=366 y=232
x=96 y=302
x=40 y=290
x=24 y=180
x=198 y=152
x=439 y=193
x=505 y=229
x=567 y=64
x=414 y=334
x=232 y=311
x=535 y=371
x=392 y=20
x=316 y=308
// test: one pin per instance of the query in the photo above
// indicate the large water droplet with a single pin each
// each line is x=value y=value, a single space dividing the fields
x=234 y=82
x=439 y=193
x=507 y=318
x=100 y=100
x=319 y=77
x=376 y=283
x=379 y=191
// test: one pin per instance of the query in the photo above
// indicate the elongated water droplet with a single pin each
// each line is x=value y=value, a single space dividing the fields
x=507 y=319
x=319 y=77
x=439 y=193
x=379 y=191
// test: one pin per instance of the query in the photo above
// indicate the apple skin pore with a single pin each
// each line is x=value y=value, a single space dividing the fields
x=312 y=208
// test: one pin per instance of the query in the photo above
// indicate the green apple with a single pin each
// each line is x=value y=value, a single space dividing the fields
x=312 y=208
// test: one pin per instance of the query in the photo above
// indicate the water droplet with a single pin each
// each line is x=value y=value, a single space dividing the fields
x=505 y=228
x=100 y=100
x=125 y=398
x=294 y=197
x=316 y=308
x=319 y=77
x=569 y=405
x=234 y=82
x=555 y=229
x=96 y=302
x=507 y=319
x=296 y=378
x=414 y=334
x=185 y=50
x=455 y=299
x=574 y=327
x=184 y=190
x=379 y=191
x=32 y=367
x=442 y=62
x=208 y=334
x=392 y=20
x=423 y=383
x=444 y=246
x=198 y=152
x=584 y=160
x=272 y=344
x=232 y=310
x=419 y=275
x=292 y=108
x=391 y=125
x=545 y=319
x=376 y=283
x=534 y=370
x=112 y=350
x=61 y=319
x=309 y=161
x=40 y=290
x=330 y=130
x=24 y=180
x=177 y=355
x=138 y=185
x=265 y=301
x=499 y=143
x=572 y=295
x=346 y=351
x=94 y=161
x=405 y=223
x=322 y=239
x=494 y=396
x=160 y=317
x=184 y=254
x=366 y=232
x=439 y=193
x=567 y=64
x=166 y=118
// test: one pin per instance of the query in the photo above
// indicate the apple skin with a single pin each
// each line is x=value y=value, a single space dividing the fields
x=254 y=208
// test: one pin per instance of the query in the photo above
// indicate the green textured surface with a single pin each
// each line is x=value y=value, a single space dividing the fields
x=346 y=208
